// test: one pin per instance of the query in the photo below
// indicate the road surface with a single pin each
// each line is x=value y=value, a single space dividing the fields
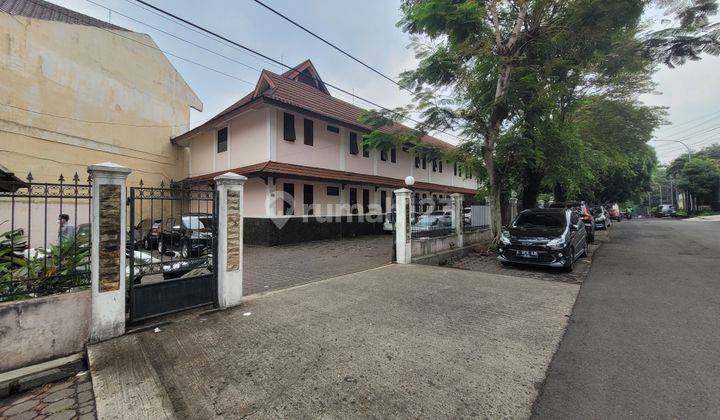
x=644 y=336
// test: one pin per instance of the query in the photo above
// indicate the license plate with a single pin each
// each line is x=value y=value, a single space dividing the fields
x=528 y=254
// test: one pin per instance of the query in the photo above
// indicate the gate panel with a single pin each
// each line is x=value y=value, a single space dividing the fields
x=171 y=246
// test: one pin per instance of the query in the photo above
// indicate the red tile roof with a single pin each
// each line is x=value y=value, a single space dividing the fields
x=286 y=90
x=40 y=9
x=287 y=170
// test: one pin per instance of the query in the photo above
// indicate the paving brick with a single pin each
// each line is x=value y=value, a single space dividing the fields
x=279 y=267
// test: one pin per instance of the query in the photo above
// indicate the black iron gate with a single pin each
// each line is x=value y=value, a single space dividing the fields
x=172 y=242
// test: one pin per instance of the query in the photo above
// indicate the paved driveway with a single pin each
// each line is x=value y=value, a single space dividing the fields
x=397 y=341
x=279 y=267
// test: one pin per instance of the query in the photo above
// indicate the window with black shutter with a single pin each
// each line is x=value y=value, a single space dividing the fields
x=460 y=171
x=308 y=199
x=308 y=133
x=424 y=163
x=289 y=199
x=333 y=129
x=417 y=162
x=434 y=165
x=366 y=151
x=288 y=127
x=353 y=144
x=383 y=155
x=366 y=201
x=333 y=191
x=440 y=166
x=393 y=155
x=353 y=201
x=222 y=140
x=383 y=202
x=455 y=169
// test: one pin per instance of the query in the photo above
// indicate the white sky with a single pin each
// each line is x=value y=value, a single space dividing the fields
x=367 y=30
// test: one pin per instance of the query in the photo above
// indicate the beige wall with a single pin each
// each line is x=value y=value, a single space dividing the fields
x=324 y=153
x=247 y=144
x=86 y=77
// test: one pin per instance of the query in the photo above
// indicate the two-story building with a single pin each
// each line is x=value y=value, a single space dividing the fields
x=301 y=149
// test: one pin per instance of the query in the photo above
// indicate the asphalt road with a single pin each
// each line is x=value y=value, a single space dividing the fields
x=644 y=336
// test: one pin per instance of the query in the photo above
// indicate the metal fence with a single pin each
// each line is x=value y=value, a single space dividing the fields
x=44 y=237
x=430 y=216
x=476 y=217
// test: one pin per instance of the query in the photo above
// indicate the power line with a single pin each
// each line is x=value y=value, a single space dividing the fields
x=65 y=117
x=259 y=54
x=116 y=33
x=193 y=30
x=175 y=36
x=340 y=50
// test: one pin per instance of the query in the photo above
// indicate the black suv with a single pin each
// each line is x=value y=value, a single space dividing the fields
x=190 y=234
x=548 y=237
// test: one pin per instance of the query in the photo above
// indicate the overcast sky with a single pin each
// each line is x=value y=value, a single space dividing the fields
x=367 y=30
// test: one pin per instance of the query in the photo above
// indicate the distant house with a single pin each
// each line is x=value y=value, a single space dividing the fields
x=301 y=149
x=76 y=91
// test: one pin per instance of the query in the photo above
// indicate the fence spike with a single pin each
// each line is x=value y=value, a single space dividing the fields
x=162 y=183
x=141 y=182
x=30 y=177
x=61 y=179
x=76 y=178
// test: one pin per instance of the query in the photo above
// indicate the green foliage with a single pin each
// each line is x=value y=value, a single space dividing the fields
x=47 y=271
x=701 y=177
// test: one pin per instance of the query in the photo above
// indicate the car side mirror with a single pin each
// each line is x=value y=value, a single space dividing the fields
x=573 y=227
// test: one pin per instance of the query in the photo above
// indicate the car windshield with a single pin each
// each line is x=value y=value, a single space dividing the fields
x=196 y=222
x=536 y=220
x=596 y=210
x=437 y=213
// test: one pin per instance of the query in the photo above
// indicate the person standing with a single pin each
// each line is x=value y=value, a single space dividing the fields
x=66 y=230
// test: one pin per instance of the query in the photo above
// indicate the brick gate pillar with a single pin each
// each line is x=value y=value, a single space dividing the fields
x=230 y=239
x=403 y=248
x=107 y=250
x=458 y=221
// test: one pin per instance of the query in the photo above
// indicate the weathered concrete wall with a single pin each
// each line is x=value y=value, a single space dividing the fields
x=477 y=236
x=36 y=330
x=62 y=84
x=425 y=247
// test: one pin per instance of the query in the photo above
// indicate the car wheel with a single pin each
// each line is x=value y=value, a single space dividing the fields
x=585 y=250
x=570 y=264
x=185 y=250
x=505 y=263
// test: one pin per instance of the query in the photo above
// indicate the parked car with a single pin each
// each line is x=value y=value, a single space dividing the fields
x=438 y=219
x=553 y=237
x=614 y=212
x=147 y=232
x=601 y=217
x=582 y=211
x=189 y=234
x=665 y=210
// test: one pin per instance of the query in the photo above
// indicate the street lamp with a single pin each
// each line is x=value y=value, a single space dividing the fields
x=409 y=181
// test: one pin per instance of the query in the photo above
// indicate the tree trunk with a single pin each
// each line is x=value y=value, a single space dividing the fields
x=531 y=189
x=559 y=193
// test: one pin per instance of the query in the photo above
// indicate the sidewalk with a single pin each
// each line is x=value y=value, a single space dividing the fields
x=396 y=341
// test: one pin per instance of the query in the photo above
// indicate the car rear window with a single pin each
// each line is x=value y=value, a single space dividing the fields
x=530 y=220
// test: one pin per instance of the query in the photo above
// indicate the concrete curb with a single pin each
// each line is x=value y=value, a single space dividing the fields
x=33 y=376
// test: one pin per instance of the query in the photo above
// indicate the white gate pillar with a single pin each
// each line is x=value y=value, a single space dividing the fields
x=403 y=248
x=107 y=250
x=230 y=239
x=458 y=220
